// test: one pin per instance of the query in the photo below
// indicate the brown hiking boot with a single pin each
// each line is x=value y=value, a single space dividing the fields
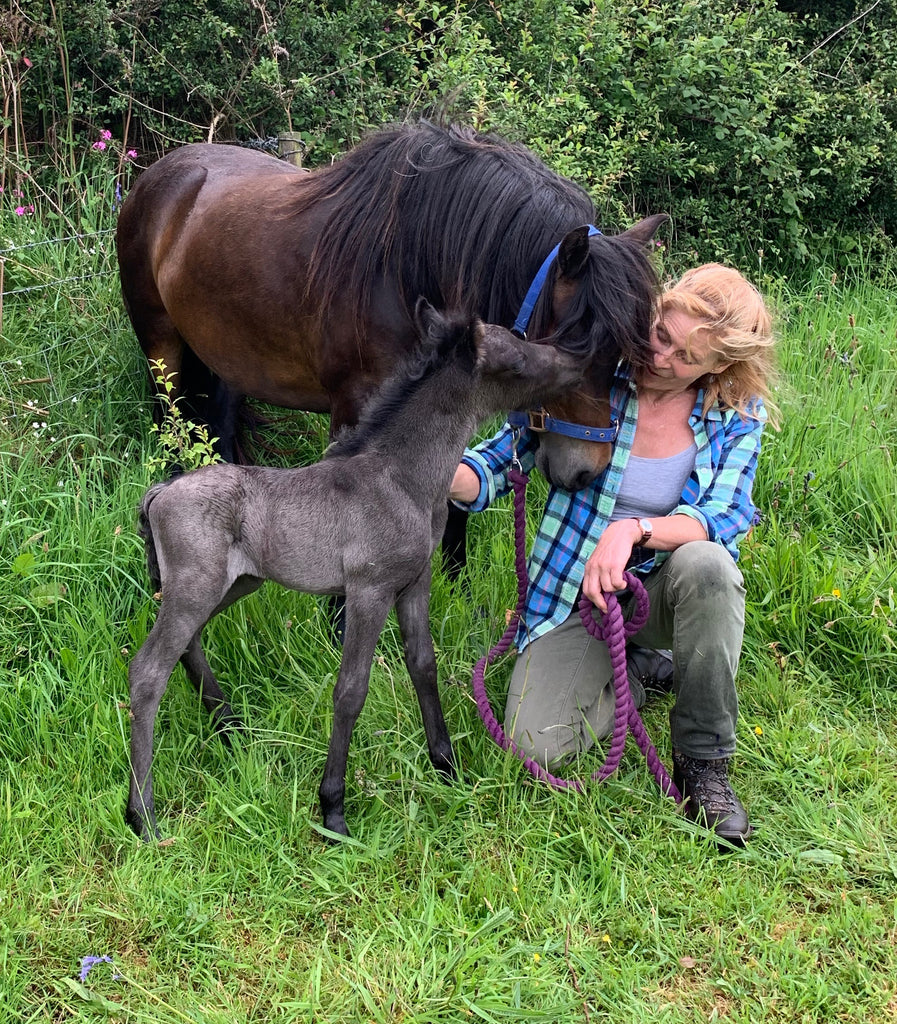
x=653 y=669
x=709 y=797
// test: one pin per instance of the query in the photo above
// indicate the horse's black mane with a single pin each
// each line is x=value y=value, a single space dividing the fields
x=459 y=216
x=455 y=343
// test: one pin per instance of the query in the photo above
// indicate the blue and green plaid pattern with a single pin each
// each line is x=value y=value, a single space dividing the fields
x=718 y=493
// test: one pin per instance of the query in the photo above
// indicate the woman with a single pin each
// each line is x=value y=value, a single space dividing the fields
x=672 y=506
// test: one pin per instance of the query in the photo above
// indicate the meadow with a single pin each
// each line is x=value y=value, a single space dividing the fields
x=494 y=899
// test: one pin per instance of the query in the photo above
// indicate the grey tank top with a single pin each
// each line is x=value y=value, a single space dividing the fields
x=653 y=487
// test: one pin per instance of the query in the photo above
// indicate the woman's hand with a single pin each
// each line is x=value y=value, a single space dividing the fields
x=607 y=563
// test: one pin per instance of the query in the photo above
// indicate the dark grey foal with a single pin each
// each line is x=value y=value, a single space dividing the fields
x=364 y=522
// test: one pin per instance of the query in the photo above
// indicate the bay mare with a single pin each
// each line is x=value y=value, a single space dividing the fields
x=246 y=276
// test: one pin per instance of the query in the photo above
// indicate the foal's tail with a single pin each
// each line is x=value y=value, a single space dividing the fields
x=145 y=530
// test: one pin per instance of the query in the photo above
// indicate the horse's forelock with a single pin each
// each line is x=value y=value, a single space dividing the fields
x=611 y=312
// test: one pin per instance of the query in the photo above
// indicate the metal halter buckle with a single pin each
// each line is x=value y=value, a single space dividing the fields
x=537 y=418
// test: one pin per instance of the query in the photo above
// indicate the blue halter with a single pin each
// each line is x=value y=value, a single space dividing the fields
x=529 y=302
x=540 y=421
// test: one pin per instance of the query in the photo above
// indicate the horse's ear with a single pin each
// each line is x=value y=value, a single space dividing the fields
x=645 y=229
x=574 y=252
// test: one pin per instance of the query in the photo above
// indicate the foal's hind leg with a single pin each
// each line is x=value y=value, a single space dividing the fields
x=214 y=699
x=365 y=615
x=200 y=673
x=148 y=677
x=413 y=611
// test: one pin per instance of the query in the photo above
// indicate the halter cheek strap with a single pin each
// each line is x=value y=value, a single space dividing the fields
x=529 y=302
x=540 y=421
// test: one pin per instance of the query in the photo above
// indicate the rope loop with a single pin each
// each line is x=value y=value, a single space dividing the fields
x=613 y=631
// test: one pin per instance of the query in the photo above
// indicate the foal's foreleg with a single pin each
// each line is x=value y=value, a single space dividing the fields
x=365 y=615
x=413 y=611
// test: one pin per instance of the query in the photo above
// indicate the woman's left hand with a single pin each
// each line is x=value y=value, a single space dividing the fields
x=607 y=563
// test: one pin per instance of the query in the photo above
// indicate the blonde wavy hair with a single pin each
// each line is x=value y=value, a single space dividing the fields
x=739 y=327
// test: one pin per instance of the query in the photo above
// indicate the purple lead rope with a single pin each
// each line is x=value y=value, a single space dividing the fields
x=614 y=632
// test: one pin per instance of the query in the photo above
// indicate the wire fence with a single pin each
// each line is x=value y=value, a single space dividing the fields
x=64 y=351
x=5 y=255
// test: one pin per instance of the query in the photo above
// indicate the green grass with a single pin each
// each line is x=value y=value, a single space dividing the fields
x=495 y=899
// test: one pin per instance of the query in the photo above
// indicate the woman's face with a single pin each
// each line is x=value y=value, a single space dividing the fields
x=679 y=357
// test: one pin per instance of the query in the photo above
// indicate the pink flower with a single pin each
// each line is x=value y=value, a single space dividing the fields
x=27 y=62
x=98 y=145
x=105 y=134
x=20 y=210
x=131 y=154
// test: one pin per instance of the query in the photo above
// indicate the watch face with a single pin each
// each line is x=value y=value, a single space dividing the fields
x=647 y=528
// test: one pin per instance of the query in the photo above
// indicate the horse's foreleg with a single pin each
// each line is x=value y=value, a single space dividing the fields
x=413 y=612
x=365 y=616
x=454 y=542
x=148 y=677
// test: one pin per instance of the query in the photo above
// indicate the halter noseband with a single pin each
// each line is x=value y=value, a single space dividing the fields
x=540 y=421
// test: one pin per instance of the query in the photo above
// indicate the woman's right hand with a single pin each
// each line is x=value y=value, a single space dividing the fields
x=607 y=563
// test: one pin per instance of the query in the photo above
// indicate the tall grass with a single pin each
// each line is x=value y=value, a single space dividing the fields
x=494 y=899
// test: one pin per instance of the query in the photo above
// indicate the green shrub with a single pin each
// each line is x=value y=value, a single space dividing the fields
x=767 y=131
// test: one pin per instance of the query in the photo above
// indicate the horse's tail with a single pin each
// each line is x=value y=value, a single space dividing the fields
x=145 y=529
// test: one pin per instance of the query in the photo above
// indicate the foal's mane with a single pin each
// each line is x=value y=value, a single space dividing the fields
x=453 y=342
x=459 y=216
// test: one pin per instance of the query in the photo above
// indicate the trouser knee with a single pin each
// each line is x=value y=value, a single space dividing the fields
x=705 y=574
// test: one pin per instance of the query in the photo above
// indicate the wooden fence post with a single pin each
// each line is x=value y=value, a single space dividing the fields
x=290 y=147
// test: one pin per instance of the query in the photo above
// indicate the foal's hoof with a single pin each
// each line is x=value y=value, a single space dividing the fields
x=145 y=828
x=226 y=725
x=336 y=824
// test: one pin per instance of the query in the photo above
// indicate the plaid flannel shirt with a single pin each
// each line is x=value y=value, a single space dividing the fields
x=717 y=494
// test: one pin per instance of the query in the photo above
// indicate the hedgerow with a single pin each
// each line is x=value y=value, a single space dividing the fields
x=766 y=130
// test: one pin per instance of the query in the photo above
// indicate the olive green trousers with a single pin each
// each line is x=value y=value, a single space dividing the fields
x=561 y=694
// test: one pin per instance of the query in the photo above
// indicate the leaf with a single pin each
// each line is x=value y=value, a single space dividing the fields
x=45 y=594
x=93 y=999
x=22 y=564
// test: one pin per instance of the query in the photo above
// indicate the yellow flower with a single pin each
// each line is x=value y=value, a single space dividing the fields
x=536 y=957
x=758 y=730
x=605 y=938
x=836 y=592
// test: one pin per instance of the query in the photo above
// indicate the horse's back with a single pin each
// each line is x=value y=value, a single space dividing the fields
x=207 y=258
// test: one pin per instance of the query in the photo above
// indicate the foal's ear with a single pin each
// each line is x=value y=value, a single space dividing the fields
x=427 y=319
x=497 y=350
x=646 y=229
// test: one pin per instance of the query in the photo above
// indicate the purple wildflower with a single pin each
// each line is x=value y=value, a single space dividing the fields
x=105 y=134
x=89 y=962
x=131 y=154
x=99 y=145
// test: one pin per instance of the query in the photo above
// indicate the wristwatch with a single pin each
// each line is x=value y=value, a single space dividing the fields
x=647 y=528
